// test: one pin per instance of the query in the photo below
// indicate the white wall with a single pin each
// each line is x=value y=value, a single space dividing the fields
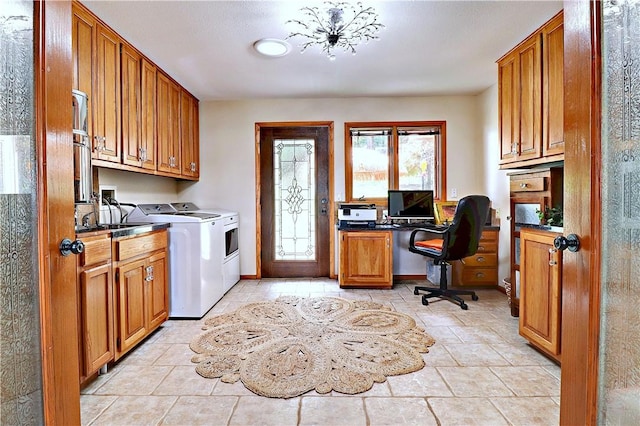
x=227 y=147
x=495 y=180
x=139 y=188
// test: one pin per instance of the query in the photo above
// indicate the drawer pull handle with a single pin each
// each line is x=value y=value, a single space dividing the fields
x=523 y=185
x=480 y=258
x=480 y=248
x=479 y=275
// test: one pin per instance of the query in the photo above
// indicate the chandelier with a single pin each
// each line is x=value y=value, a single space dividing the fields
x=336 y=25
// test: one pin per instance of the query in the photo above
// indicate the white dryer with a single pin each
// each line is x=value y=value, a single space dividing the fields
x=230 y=221
x=196 y=255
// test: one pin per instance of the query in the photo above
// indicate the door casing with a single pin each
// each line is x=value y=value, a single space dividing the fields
x=258 y=126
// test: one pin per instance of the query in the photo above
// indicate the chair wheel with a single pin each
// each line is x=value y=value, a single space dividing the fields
x=415 y=291
x=425 y=302
x=474 y=297
x=464 y=306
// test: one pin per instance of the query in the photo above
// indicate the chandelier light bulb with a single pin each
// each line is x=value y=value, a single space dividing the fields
x=336 y=25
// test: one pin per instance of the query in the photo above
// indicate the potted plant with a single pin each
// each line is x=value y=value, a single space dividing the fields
x=550 y=216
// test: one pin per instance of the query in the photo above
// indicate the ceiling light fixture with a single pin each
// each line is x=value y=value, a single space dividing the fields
x=272 y=47
x=336 y=25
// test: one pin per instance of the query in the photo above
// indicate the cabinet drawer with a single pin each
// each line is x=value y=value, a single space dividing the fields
x=96 y=250
x=130 y=247
x=480 y=259
x=487 y=247
x=527 y=184
x=488 y=236
x=479 y=276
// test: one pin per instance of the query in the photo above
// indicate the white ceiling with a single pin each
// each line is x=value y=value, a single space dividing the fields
x=427 y=48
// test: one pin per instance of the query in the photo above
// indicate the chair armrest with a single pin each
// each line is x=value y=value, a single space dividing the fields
x=412 y=239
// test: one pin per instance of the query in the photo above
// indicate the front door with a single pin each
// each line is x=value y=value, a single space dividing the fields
x=294 y=201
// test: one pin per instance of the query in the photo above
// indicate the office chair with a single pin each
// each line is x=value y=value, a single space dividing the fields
x=458 y=241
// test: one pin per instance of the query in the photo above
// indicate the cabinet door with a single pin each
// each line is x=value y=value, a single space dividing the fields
x=131 y=287
x=189 y=134
x=148 y=138
x=553 y=96
x=366 y=258
x=530 y=99
x=96 y=311
x=540 y=291
x=107 y=95
x=157 y=290
x=83 y=47
x=131 y=114
x=508 y=93
x=168 y=108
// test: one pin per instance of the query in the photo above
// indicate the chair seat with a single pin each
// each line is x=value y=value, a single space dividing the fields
x=432 y=244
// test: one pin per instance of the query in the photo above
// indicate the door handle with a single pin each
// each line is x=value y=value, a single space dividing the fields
x=571 y=242
x=67 y=247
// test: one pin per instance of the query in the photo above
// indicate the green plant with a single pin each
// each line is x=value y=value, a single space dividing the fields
x=550 y=216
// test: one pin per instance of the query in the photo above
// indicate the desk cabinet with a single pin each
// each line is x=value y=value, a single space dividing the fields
x=481 y=269
x=540 y=290
x=366 y=259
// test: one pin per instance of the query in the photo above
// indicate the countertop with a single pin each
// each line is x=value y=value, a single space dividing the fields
x=119 y=230
x=406 y=227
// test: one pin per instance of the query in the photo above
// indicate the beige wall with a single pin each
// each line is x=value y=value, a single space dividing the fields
x=227 y=155
x=227 y=147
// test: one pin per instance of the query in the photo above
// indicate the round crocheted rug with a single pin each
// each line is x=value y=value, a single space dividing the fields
x=290 y=346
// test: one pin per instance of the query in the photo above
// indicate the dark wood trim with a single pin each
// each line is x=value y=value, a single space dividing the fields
x=530 y=163
x=332 y=218
x=123 y=167
x=581 y=270
x=348 y=165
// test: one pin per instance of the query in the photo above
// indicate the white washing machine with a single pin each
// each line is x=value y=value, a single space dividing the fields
x=196 y=255
x=231 y=260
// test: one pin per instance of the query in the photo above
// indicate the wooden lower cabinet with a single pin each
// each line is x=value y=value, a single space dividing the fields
x=141 y=287
x=540 y=291
x=481 y=269
x=95 y=296
x=366 y=259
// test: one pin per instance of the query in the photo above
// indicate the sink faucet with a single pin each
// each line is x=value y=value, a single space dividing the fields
x=85 y=219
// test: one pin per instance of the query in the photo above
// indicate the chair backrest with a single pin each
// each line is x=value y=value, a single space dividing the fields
x=466 y=228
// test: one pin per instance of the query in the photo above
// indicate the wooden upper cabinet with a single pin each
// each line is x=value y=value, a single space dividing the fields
x=139 y=119
x=148 y=119
x=130 y=60
x=83 y=39
x=508 y=107
x=530 y=99
x=189 y=135
x=106 y=95
x=168 y=110
x=553 y=94
x=530 y=86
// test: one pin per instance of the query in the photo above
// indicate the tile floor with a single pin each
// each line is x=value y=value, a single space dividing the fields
x=479 y=372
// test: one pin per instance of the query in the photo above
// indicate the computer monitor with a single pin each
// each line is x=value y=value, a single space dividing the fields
x=410 y=204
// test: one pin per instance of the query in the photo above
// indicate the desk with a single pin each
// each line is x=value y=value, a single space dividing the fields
x=371 y=257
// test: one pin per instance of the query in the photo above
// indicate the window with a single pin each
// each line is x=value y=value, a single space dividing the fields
x=400 y=155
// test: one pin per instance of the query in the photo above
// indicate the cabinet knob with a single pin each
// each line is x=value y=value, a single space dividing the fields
x=523 y=185
x=552 y=263
x=480 y=258
x=479 y=275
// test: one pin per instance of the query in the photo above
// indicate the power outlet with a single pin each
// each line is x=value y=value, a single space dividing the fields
x=454 y=192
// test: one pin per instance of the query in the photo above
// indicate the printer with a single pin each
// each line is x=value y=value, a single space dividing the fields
x=355 y=215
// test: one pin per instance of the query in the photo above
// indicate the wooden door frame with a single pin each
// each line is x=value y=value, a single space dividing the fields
x=332 y=219
x=581 y=270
